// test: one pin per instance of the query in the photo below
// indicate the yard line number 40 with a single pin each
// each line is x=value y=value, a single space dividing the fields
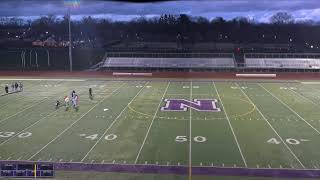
x=109 y=137
x=291 y=141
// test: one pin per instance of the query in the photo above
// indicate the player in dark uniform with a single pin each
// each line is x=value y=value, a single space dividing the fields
x=6 y=88
x=57 y=104
x=90 y=93
x=16 y=85
x=73 y=93
x=12 y=87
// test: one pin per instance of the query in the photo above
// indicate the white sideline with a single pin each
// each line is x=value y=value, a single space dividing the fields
x=75 y=122
x=290 y=109
x=292 y=153
x=31 y=79
x=311 y=82
x=234 y=135
x=155 y=115
x=110 y=126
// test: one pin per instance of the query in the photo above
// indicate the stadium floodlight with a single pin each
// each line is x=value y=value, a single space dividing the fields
x=70 y=4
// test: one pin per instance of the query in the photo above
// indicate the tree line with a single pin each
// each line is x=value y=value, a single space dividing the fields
x=167 y=27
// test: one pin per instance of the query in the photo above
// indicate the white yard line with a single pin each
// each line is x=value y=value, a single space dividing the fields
x=275 y=131
x=190 y=136
x=110 y=126
x=23 y=110
x=5 y=104
x=155 y=115
x=40 y=101
x=28 y=127
x=304 y=97
x=33 y=124
x=290 y=109
x=234 y=135
x=71 y=125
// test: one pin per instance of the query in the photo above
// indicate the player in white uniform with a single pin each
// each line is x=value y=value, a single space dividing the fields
x=67 y=102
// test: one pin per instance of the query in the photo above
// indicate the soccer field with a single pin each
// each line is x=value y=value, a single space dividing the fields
x=261 y=125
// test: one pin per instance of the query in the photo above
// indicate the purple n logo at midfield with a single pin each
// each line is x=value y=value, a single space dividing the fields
x=197 y=104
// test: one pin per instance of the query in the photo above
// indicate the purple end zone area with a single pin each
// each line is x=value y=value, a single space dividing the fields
x=180 y=170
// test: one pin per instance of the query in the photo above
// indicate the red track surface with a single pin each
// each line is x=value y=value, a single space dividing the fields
x=211 y=75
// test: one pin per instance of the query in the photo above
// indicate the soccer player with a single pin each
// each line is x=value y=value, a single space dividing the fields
x=57 y=104
x=73 y=93
x=16 y=86
x=90 y=93
x=66 y=101
x=76 y=102
x=12 y=87
x=6 y=88
x=21 y=86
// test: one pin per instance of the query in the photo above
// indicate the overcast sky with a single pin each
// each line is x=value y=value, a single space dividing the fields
x=260 y=10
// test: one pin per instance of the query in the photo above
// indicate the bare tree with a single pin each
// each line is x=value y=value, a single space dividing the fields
x=282 y=18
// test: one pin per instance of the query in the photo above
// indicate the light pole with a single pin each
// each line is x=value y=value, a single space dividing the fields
x=70 y=40
x=70 y=4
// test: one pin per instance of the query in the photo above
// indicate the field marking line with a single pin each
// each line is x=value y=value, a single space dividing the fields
x=155 y=115
x=33 y=79
x=190 y=136
x=289 y=108
x=71 y=125
x=274 y=130
x=230 y=125
x=24 y=110
x=111 y=125
x=304 y=97
x=38 y=102
x=5 y=104
x=30 y=126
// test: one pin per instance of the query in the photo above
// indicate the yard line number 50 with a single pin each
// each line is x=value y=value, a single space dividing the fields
x=199 y=139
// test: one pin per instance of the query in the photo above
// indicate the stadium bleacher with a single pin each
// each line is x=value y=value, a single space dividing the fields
x=169 y=60
x=280 y=61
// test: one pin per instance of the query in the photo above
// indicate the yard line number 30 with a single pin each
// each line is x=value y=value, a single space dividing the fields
x=10 y=134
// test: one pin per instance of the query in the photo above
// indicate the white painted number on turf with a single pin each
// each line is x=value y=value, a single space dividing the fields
x=273 y=141
x=181 y=139
x=92 y=137
x=199 y=139
x=6 y=134
x=9 y=134
x=110 y=137
x=291 y=141
x=25 y=135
